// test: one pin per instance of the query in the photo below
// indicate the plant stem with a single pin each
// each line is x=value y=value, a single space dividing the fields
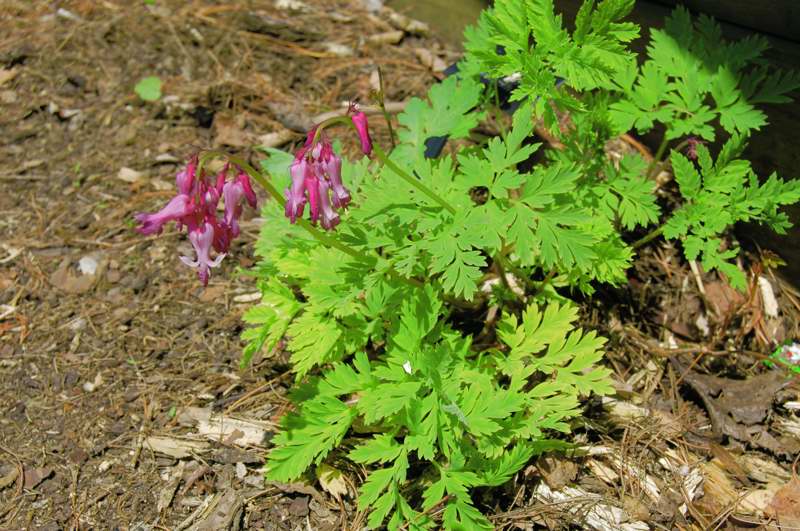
x=413 y=181
x=381 y=103
x=315 y=233
x=657 y=157
x=655 y=233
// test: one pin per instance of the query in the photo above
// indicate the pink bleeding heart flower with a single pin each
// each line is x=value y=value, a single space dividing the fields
x=202 y=239
x=249 y=194
x=195 y=207
x=311 y=183
x=233 y=193
x=333 y=170
x=329 y=218
x=296 y=194
x=177 y=209
x=362 y=127
x=185 y=178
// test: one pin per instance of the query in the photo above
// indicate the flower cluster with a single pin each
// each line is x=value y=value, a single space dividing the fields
x=317 y=176
x=195 y=207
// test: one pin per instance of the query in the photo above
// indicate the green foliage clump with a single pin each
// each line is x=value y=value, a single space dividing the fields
x=380 y=327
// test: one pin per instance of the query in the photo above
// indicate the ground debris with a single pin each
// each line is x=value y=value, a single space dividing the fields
x=177 y=448
x=226 y=430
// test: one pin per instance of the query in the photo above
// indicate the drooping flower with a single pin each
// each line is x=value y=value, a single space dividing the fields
x=202 y=239
x=296 y=194
x=329 y=217
x=360 y=121
x=317 y=176
x=178 y=208
x=195 y=207
x=691 y=147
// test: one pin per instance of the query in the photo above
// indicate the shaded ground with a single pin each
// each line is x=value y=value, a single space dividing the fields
x=115 y=367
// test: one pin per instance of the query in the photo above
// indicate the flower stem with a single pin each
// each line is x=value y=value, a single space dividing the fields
x=655 y=233
x=413 y=181
x=382 y=105
x=315 y=233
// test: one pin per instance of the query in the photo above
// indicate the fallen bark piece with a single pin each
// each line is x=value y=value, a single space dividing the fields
x=587 y=507
x=224 y=429
x=387 y=37
x=167 y=494
x=34 y=476
x=225 y=512
x=177 y=448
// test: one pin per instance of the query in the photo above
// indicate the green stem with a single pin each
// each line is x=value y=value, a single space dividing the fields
x=416 y=183
x=655 y=233
x=382 y=104
x=317 y=234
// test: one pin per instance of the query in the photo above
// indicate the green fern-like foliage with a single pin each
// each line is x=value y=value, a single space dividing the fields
x=693 y=79
x=385 y=376
x=467 y=419
x=730 y=190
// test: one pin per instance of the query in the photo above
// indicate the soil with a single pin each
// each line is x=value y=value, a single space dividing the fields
x=123 y=404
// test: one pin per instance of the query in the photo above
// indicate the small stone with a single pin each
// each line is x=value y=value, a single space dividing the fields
x=129 y=175
x=88 y=265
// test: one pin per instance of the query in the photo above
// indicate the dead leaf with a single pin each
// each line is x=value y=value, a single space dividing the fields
x=242 y=432
x=723 y=298
x=213 y=294
x=34 y=476
x=557 y=472
x=6 y=75
x=785 y=506
x=9 y=478
x=230 y=134
x=728 y=462
x=67 y=281
x=737 y=408
x=332 y=480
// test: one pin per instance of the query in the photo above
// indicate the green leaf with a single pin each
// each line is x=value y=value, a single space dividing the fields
x=685 y=175
x=272 y=316
x=380 y=449
x=149 y=88
x=307 y=438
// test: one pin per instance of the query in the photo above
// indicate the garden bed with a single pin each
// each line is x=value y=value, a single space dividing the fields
x=123 y=402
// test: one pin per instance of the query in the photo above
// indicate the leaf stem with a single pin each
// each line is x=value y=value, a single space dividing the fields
x=413 y=181
x=655 y=233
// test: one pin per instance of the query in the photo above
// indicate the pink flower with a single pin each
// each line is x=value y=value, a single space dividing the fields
x=312 y=187
x=195 y=207
x=329 y=218
x=333 y=170
x=185 y=178
x=202 y=239
x=691 y=147
x=233 y=192
x=360 y=121
x=296 y=195
x=249 y=194
x=179 y=207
